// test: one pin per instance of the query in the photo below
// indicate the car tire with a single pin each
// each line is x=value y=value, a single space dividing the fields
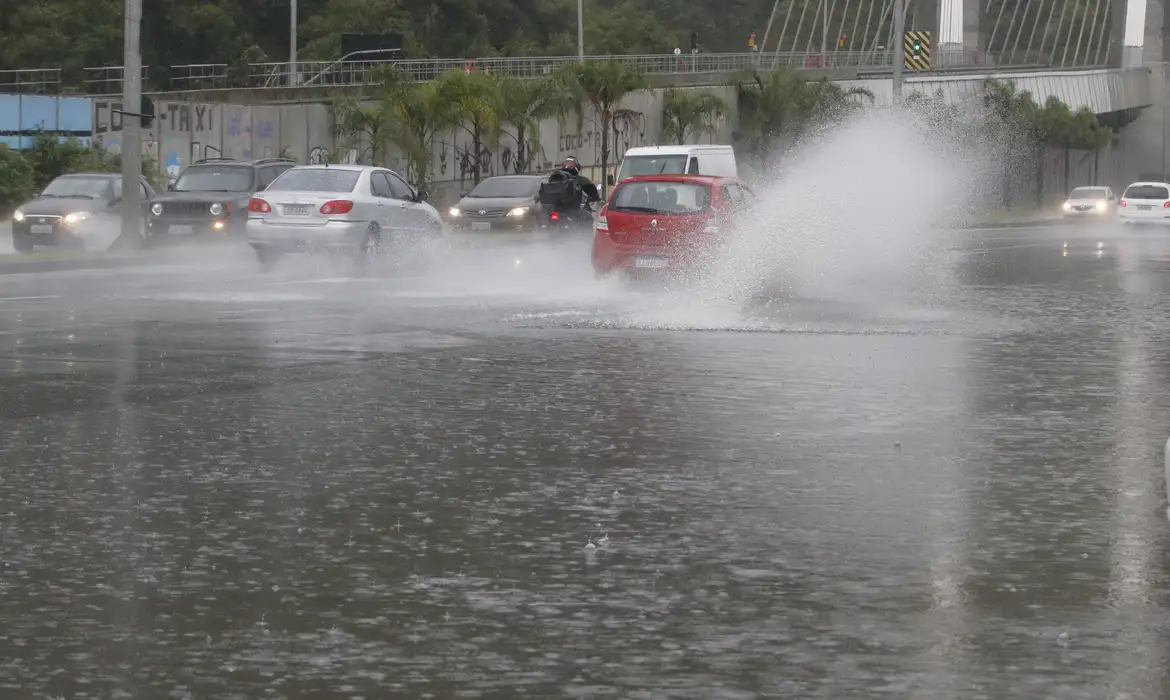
x=267 y=259
x=22 y=243
x=369 y=247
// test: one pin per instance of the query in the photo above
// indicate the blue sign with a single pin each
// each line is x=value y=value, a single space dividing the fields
x=23 y=116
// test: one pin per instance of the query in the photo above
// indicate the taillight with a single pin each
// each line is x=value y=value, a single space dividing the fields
x=1166 y=204
x=602 y=221
x=554 y=216
x=712 y=224
x=259 y=206
x=337 y=206
x=1121 y=203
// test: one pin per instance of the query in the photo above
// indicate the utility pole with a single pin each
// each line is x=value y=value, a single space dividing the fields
x=581 y=29
x=293 y=77
x=899 y=42
x=131 y=126
x=824 y=28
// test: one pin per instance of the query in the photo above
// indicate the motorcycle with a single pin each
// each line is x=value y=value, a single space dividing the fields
x=560 y=219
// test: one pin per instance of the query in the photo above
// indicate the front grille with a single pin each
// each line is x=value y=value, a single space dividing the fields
x=1083 y=207
x=185 y=209
x=40 y=220
x=486 y=213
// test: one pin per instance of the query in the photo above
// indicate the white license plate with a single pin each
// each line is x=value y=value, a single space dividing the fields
x=184 y=229
x=481 y=226
x=652 y=263
x=1144 y=207
x=295 y=209
x=41 y=228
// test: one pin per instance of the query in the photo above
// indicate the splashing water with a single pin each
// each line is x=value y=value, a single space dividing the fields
x=858 y=217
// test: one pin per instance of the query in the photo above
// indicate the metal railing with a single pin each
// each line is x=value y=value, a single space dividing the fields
x=108 y=80
x=36 y=81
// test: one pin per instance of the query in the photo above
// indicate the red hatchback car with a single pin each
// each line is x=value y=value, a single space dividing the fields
x=664 y=222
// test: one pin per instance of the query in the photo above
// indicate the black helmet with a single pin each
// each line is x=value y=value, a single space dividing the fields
x=572 y=165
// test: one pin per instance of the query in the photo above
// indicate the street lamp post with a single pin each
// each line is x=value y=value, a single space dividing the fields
x=581 y=29
x=899 y=41
x=824 y=28
x=292 y=42
x=131 y=125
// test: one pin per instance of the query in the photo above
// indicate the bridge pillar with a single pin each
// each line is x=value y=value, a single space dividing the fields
x=1142 y=149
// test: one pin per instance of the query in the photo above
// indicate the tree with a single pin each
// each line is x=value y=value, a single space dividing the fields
x=356 y=124
x=16 y=179
x=601 y=86
x=523 y=104
x=688 y=113
x=472 y=107
x=780 y=106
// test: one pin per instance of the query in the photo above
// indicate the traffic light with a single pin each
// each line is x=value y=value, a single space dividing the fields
x=917 y=47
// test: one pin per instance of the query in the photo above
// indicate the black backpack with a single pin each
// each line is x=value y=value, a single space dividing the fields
x=560 y=190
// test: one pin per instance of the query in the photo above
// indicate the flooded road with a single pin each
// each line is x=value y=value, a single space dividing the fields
x=504 y=479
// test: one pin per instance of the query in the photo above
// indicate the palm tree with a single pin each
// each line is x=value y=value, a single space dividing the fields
x=782 y=106
x=687 y=113
x=355 y=125
x=412 y=113
x=472 y=104
x=602 y=85
x=524 y=104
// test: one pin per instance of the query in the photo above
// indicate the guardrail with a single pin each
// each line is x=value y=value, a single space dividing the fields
x=108 y=80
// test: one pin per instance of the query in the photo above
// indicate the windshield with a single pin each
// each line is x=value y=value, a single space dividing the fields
x=507 y=187
x=316 y=180
x=85 y=187
x=653 y=165
x=215 y=178
x=662 y=198
x=1087 y=193
x=1147 y=192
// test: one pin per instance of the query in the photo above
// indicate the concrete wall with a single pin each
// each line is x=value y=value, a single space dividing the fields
x=1143 y=143
x=187 y=131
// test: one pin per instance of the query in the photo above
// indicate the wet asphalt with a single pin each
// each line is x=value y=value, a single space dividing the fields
x=501 y=478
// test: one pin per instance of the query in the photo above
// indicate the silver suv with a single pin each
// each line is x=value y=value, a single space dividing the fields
x=359 y=209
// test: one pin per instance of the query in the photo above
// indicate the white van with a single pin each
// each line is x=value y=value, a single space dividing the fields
x=677 y=160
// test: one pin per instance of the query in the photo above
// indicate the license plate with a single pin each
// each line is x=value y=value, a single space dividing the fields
x=296 y=210
x=1144 y=207
x=181 y=229
x=652 y=263
x=480 y=226
x=41 y=228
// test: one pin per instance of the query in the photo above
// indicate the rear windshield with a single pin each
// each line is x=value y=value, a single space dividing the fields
x=1147 y=192
x=662 y=198
x=215 y=178
x=316 y=180
x=1087 y=193
x=653 y=165
x=507 y=187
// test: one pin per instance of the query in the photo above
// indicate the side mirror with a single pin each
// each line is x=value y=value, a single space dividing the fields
x=609 y=180
x=170 y=187
x=115 y=201
x=420 y=196
x=462 y=195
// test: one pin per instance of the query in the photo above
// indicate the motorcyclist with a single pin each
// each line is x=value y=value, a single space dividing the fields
x=573 y=167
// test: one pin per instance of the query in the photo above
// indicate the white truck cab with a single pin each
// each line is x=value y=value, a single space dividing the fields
x=677 y=160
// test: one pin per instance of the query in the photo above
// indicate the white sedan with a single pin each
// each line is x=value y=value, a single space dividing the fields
x=355 y=208
x=1089 y=203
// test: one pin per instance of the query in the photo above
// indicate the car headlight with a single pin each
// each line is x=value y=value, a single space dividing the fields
x=518 y=211
x=454 y=211
x=156 y=209
x=1067 y=206
x=75 y=217
x=18 y=215
x=1100 y=206
x=216 y=209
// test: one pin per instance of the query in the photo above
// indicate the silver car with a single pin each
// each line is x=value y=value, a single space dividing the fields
x=360 y=209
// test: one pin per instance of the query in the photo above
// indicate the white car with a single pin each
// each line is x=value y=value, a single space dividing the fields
x=1145 y=202
x=359 y=209
x=1089 y=203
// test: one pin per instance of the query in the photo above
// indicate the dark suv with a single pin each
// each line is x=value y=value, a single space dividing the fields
x=210 y=199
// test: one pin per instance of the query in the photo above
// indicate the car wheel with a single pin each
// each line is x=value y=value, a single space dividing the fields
x=370 y=246
x=267 y=259
x=22 y=243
